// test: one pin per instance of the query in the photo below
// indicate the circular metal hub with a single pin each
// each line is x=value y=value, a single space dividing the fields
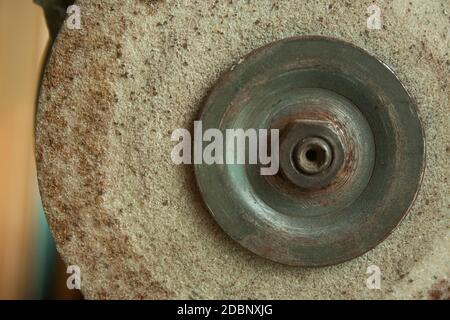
x=350 y=152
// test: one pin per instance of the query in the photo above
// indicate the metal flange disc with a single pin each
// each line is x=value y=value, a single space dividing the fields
x=365 y=143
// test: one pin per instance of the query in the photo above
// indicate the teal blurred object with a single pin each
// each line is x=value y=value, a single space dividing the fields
x=44 y=258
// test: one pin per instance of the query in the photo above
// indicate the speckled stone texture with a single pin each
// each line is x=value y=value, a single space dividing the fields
x=134 y=222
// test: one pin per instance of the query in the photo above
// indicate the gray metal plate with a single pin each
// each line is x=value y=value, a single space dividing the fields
x=351 y=90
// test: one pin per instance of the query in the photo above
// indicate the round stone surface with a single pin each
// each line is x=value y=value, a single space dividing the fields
x=134 y=222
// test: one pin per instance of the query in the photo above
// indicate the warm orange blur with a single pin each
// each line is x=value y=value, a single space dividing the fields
x=29 y=265
x=23 y=38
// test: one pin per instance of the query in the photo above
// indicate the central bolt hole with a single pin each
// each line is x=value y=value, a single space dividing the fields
x=311 y=155
x=316 y=154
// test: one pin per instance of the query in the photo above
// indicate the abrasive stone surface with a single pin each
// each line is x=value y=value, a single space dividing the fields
x=134 y=222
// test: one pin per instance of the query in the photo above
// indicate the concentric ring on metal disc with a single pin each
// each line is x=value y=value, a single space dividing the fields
x=301 y=86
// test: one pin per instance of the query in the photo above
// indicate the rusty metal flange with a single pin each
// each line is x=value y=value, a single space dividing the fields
x=351 y=152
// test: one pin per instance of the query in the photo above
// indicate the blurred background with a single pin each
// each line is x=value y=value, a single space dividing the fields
x=30 y=267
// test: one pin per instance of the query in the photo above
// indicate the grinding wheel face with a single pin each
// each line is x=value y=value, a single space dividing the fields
x=327 y=84
x=135 y=223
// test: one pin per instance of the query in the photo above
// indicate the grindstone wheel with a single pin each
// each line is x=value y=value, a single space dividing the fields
x=352 y=149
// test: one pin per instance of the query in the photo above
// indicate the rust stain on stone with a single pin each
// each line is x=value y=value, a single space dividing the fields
x=440 y=290
x=69 y=126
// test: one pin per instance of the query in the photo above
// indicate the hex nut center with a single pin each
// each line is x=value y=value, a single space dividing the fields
x=312 y=155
